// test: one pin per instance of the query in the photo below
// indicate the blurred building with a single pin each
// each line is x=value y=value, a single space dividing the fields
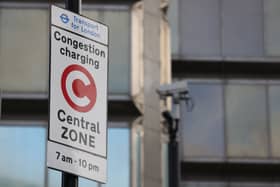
x=228 y=50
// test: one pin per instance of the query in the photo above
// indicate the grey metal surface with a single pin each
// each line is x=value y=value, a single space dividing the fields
x=199 y=23
x=203 y=184
x=272 y=27
x=203 y=127
x=228 y=184
x=251 y=184
x=246 y=121
x=233 y=120
x=274 y=116
x=242 y=28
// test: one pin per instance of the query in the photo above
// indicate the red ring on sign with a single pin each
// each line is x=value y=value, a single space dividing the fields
x=79 y=88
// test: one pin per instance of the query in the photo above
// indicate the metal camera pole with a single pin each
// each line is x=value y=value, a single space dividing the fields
x=70 y=180
x=173 y=161
x=173 y=154
x=180 y=93
x=173 y=148
x=173 y=119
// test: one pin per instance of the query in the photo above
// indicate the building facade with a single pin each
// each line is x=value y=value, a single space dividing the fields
x=227 y=50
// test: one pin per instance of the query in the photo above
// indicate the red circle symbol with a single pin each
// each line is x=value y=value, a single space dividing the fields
x=78 y=88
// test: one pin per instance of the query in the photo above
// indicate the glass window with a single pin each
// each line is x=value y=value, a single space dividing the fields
x=199 y=28
x=272 y=27
x=246 y=120
x=165 y=172
x=203 y=131
x=274 y=104
x=119 y=47
x=118 y=158
x=172 y=16
x=54 y=180
x=242 y=28
x=136 y=152
x=138 y=160
x=22 y=160
x=24 y=50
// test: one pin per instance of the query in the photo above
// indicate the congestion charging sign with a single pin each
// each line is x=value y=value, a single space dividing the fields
x=77 y=141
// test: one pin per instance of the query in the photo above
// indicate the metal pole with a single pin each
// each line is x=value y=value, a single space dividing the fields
x=173 y=154
x=173 y=164
x=73 y=5
x=70 y=180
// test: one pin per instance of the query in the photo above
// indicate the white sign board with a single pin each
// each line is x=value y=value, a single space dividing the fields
x=78 y=95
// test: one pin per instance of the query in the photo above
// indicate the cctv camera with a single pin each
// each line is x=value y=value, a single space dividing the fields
x=179 y=92
x=176 y=88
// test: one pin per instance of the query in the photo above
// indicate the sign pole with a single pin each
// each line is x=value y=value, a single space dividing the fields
x=70 y=180
x=73 y=5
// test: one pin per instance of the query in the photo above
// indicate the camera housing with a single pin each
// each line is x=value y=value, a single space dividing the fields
x=176 y=88
x=178 y=91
